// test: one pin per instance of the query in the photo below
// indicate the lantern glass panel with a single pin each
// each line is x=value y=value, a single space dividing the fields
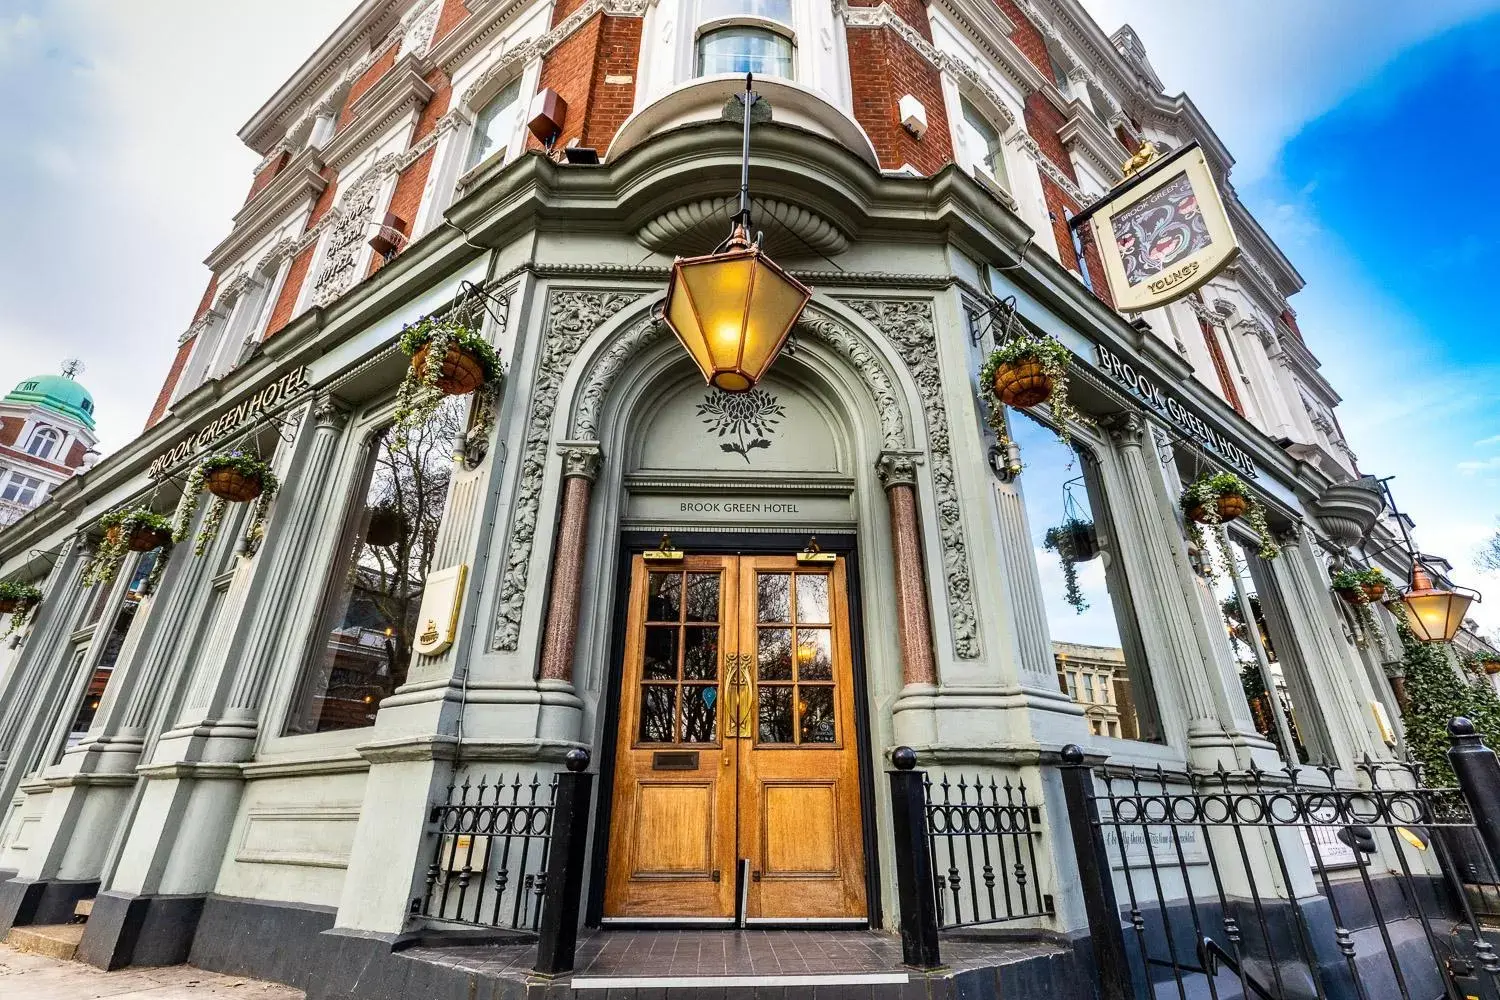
x=774 y=305
x=1436 y=617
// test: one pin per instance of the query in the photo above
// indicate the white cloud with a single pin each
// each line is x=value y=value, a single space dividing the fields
x=18 y=33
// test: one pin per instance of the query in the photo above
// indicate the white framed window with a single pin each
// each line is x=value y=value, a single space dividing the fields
x=980 y=143
x=44 y=441
x=769 y=10
x=495 y=124
x=740 y=49
x=21 y=489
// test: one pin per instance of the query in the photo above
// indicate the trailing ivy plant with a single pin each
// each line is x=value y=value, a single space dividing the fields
x=1353 y=583
x=28 y=596
x=1054 y=358
x=213 y=518
x=118 y=526
x=1061 y=540
x=1205 y=492
x=1436 y=693
x=419 y=395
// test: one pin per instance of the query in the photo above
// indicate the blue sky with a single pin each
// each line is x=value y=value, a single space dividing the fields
x=1364 y=133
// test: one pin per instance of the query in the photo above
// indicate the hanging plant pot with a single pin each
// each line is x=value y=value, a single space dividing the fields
x=1227 y=507
x=10 y=605
x=1373 y=591
x=142 y=538
x=1491 y=666
x=17 y=600
x=461 y=373
x=386 y=527
x=234 y=485
x=1350 y=595
x=1022 y=382
x=1078 y=540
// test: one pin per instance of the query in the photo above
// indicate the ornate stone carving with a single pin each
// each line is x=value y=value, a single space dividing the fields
x=1126 y=427
x=572 y=315
x=581 y=459
x=601 y=376
x=698 y=226
x=911 y=328
x=348 y=236
x=329 y=413
x=1347 y=511
x=418 y=26
x=896 y=468
x=852 y=348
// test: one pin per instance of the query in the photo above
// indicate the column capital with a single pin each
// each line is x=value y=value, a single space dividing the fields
x=1126 y=427
x=581 y=459
x=330 y=413
x=897 y=468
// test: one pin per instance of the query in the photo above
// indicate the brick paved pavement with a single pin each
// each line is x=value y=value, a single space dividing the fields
x=35 y=977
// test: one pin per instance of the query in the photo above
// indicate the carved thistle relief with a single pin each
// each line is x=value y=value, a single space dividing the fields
x=572 y=316
x=910 y=327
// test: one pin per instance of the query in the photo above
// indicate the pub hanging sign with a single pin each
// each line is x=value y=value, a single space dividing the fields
x=1163 y=232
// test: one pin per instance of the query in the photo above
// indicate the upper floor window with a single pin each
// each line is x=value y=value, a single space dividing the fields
x=495 y=124
x=980 y=142
x=44 y=441
x=21 y=489
x=717 y=10
x=745 y=36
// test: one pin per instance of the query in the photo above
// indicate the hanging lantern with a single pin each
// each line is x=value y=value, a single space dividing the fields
x=1434 y=614
x=734 y=308
x=732 y=311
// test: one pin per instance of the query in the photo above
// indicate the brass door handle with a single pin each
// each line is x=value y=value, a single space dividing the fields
x=742 y=695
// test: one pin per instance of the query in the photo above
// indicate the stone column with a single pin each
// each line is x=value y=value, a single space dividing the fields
x=580 y=469
x=898 y=476
x=1170 y=642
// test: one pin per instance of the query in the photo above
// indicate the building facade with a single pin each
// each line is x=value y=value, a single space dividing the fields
x=46 y=434
x=238 y=763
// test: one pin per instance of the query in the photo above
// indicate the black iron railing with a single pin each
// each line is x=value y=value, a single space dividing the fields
x=510 y=855
x=966 y=855
x=983 y=848
x=489 y=865
x=1297 y=882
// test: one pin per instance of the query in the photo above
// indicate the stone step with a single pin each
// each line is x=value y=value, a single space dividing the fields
x=84 y=908
x=52 y=940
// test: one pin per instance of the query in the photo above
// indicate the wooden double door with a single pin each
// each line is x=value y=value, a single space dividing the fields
x=736 y=791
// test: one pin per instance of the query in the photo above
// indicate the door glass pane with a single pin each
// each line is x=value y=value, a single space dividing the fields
x=815 y=707
x=661 y=654
x=664 y=597
x=699 y=702
x=703 y=597
x=775 y=714
x=773 y=597
x=700 y=655
x=658 y=709
x=812 y=599
x=775 y=654
x=814 y=655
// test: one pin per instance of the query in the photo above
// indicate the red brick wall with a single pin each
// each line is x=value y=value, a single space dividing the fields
x=1028 y=39
x=1221 y=364
x=75 y=455
x=454 y=11
x=10 y=429
x=883 y=67
x=406 y=200
x=297 y=273
x=569 y=70
x=266 y=175
x=611 y=103
x=208 y=297
x=179 y=362
x=366 y=80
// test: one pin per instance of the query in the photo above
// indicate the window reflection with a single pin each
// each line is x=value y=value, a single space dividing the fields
x=741 y=50
x=1095 y=649
x=93 y=695
x=370 y=620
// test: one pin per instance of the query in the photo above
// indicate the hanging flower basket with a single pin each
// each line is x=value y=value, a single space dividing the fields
x=1074 y=541
x=17 y=600
x=1490 y=666
x=231 y=477
x=1215 y=500
x=448 y=358
x=1361 y=589
x=130 y=529
x=385 y=528
x=1023 y=372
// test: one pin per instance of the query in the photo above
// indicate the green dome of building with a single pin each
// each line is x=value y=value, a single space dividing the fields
x=57 y=393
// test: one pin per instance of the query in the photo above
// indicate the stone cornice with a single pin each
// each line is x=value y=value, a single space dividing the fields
x=1084 y=133
x=300 y=180
x=367 y=24
x=401 y=91
x=486 y=19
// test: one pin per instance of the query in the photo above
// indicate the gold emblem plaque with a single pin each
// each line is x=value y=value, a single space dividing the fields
x=438 y=619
